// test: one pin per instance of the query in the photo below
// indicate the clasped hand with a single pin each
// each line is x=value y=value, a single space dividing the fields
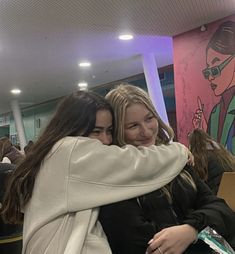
x=172 y=240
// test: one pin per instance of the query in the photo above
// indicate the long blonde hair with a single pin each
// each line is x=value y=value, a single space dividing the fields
x=203 y=147
x=120 y=99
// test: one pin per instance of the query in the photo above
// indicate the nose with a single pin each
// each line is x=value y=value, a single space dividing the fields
x=210 y=78
x=146 y=131
x=106 y=139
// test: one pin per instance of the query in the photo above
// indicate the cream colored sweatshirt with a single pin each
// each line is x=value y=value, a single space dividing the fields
x=78 y=176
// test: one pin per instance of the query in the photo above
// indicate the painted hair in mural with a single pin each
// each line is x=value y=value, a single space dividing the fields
x=220 y=74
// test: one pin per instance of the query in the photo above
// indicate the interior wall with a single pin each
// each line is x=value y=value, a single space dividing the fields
x=4 y=131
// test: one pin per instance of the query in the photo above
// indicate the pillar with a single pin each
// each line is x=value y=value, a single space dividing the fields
x=154 y=85
x=18 y=123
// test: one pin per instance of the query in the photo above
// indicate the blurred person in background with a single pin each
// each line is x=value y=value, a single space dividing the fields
x=211 y=158
x=9 y=153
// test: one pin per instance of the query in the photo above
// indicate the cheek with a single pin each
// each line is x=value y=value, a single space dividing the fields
x=110 y=139
x=130 y=135
x=225 y=79
x=154 y=127
x=93 y=136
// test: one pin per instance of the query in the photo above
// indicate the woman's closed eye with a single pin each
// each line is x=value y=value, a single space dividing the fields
x=110 y=131
x=96 y=131
x=132 y=126
x=150 y=118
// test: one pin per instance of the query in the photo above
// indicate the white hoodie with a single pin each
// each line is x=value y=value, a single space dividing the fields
x=77 y=177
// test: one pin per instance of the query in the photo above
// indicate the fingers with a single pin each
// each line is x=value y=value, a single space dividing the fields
x=200 y=104
x=155 y=244
x=197 y=119
x=159 y=250
x=198 y=115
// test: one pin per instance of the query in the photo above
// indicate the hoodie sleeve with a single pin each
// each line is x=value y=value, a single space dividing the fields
x=100 y=174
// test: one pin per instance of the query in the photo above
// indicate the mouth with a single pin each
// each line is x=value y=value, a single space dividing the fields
x=146 y=142
x=213 y=86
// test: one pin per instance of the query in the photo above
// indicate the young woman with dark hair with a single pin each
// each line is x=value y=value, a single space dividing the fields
x=68 y=174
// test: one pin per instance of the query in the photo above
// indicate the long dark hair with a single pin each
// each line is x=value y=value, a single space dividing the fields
x=75 y=116
x=204 y=147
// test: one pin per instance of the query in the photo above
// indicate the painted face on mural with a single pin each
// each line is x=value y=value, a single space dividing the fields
x=220 y=71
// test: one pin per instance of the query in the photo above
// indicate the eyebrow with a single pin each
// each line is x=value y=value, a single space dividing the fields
x=102 y=128
x=216 y=59
x=134 y=122
x=129 y=124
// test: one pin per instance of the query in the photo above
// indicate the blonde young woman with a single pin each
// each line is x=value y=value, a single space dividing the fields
x=167 y=220
x=211 y=158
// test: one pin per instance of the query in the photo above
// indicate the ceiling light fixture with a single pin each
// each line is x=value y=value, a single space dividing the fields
x=15 y=91
x=125 y=37
x=84 y=64
x=82 y=84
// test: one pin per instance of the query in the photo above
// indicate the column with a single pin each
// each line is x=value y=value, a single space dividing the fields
x=154 y=85
x=18 y=123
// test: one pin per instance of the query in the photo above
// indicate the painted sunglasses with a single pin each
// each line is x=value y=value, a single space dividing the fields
x=215 y=71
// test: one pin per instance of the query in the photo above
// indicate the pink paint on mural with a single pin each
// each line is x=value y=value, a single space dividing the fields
x=204 y=70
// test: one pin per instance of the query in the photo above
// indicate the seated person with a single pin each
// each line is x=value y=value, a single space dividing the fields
x=9 y=153
x=10 y=235
x=211 y=158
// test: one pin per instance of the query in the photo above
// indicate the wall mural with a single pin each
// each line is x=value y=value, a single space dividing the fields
x=204 y=66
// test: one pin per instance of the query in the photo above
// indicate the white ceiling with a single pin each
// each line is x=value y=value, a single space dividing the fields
x=41 y=41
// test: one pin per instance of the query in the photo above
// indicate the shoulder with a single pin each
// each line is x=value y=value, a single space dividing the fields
x=68 y=143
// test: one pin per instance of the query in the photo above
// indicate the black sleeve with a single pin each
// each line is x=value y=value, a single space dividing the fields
x=212 y=211
x=215 y=172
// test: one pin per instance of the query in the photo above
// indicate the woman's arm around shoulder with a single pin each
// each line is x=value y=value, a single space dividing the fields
x=120 y=173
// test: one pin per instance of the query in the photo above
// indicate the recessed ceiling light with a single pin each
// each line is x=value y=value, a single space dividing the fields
x=125 y=37
x=82 y=84
x=84 y=64
x=16 y=91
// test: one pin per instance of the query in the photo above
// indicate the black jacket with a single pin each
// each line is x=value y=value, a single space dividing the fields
x=215 y=172
x=8 y=231
x=130 y=224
